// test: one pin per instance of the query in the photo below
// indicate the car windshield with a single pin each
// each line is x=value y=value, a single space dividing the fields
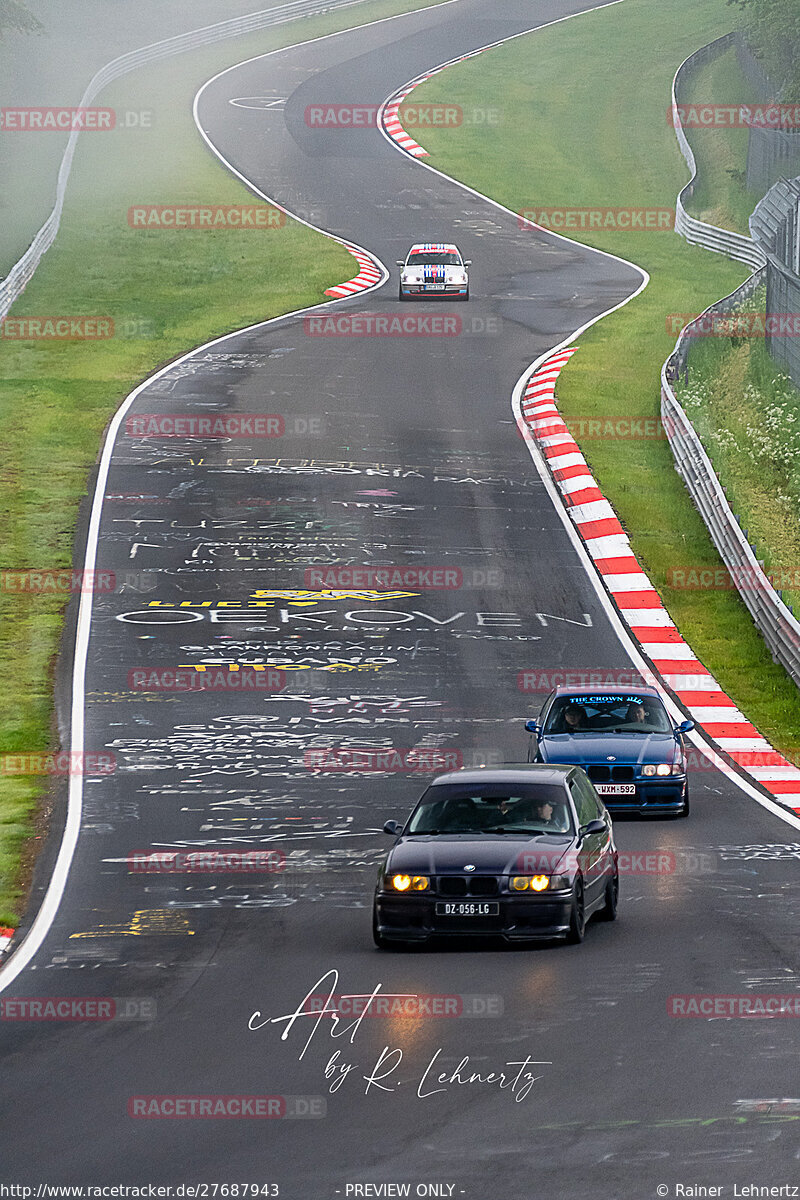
x=518 y=808
x=433 y=258
x=606 y=713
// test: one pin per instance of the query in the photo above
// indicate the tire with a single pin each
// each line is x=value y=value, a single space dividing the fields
x=609 y=910
x=464 y=298
x=577 y=917
x=403 y=299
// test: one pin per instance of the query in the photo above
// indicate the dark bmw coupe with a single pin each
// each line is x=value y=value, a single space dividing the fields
x=625 y=741
x=524 y=853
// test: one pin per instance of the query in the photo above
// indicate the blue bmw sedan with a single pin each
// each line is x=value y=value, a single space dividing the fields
x=624 y=740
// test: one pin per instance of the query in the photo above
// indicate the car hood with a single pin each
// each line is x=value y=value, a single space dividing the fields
x=592 y=748
x=491 y=854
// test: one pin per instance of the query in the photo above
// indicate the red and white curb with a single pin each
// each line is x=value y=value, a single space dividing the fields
x=638 y=601
x=5 y=938
x=389 y=117
x=368 y=275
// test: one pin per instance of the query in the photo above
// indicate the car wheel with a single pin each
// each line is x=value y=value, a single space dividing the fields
x=465 y=297
x=609 y=910
x=400 y=296
x=577 y=917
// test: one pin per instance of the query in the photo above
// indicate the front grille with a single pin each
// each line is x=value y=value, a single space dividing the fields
x=602 y=773
x=465 y=885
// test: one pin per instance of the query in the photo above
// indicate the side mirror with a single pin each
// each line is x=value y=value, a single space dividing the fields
x=685 y=726
x=399 y=262
x=467 y=262
x=393 y=827
x=531 y=727
x=593 y=827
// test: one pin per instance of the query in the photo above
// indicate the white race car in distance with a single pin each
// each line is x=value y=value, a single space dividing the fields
x=434 y=269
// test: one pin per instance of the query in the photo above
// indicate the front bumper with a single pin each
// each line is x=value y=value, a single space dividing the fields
x=520 y=918
x=654 y=795
x=424 y=289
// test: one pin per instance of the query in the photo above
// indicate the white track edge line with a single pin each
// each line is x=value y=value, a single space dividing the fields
x=42 y=923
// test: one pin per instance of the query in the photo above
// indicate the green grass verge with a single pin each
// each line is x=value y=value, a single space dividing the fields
x=579 y=128
x=720 y=196
x=167 y=292
x=747 y=414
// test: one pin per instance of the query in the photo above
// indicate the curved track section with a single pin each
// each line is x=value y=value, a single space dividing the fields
x=396 y=447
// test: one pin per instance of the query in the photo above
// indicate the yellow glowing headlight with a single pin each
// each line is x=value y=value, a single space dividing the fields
x=536 y=883
x=663 y=769
x=416 y=883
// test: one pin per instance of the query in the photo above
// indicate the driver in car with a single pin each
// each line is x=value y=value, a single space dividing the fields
x=554 y=816
x=574 y=718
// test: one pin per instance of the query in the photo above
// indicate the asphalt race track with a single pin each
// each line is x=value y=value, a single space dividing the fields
x=396 y=450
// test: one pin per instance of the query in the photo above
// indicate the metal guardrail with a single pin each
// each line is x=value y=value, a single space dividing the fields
x=22 y=271
x=699 y=233
x=775 y=224
x=776 y=623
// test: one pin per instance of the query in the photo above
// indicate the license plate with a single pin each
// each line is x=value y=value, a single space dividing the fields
x=435 y=287
x=616 y=789
x=467 y=908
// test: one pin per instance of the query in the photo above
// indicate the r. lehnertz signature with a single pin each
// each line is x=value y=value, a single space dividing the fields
x=383 y=1074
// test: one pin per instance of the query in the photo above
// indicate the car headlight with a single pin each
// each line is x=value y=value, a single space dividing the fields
x=664 y=769
x=409 y=883
x=649 y=769
x=532 y=883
